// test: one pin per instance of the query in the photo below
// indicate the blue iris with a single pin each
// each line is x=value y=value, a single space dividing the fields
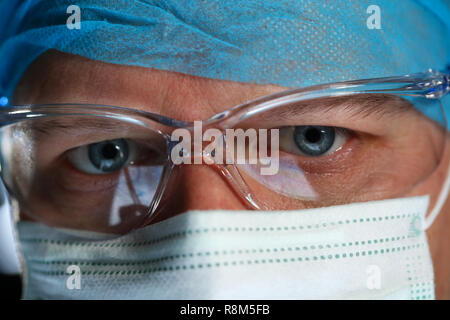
x=314 y=140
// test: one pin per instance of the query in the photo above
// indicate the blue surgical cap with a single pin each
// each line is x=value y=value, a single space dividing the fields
x=291 y=43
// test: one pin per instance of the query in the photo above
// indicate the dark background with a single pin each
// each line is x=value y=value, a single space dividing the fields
x=10 y=287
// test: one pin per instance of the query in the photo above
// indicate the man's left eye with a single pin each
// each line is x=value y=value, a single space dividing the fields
x=103 y=157
x=312 y=141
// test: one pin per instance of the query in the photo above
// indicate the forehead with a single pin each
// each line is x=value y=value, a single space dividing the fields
x=63 y=78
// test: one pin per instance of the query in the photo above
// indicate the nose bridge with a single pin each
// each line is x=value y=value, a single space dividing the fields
x=198 y=187
x=196 y=181
x=205 y=188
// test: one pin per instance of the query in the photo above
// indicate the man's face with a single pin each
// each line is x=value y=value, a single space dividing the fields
x=62 y=78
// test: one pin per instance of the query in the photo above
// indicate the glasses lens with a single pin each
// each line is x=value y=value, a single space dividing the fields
x=88 y=173
x=347 y=149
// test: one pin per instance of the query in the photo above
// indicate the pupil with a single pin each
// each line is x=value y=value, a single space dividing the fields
x=109 y=151
x=313 y=135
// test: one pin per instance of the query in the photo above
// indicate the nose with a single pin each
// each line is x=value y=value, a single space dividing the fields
x=198 y=187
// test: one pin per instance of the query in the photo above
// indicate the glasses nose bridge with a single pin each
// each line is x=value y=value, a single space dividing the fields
x=207 y=143
x=201 y=149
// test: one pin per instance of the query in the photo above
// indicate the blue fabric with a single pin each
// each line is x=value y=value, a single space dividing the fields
x=291 y=43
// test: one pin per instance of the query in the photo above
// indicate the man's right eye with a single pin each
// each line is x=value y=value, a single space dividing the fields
x=104 y=157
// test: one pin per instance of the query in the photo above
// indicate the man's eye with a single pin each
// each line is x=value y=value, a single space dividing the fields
x=312 y=141
x=103 y=157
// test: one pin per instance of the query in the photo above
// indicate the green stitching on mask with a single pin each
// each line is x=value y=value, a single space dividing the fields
x=210 y=265
x=418 y=290
x=113 y=243
x=223 y=252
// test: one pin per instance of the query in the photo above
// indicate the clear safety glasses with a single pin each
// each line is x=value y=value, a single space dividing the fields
x=111 y=169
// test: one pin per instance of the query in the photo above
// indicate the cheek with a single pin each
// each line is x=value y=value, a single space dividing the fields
x=421 y=154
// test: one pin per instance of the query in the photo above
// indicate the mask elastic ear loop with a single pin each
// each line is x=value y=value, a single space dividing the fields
x=439 y=203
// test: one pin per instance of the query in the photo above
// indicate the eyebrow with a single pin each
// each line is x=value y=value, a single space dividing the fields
x=74 y=125
x=356 y=106
x=361 y=106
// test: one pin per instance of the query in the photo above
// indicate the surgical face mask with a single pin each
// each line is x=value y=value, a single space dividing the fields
x=369 y=250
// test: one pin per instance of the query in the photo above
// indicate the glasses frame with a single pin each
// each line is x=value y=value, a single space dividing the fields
x=430 y=85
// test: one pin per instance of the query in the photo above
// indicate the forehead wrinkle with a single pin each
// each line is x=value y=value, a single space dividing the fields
x=192 y=98
x=63 y=78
